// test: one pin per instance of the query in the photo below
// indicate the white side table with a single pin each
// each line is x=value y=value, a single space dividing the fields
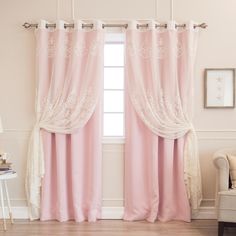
x=3 y=186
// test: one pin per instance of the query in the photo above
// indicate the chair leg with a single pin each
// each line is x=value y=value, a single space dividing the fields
x=220 y=228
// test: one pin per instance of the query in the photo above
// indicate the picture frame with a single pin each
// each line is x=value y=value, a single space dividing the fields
x=219 y=88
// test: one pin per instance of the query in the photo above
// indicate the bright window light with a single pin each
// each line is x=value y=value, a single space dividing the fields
x=113 y=96
x=113 y=125
x=114 y=54
x=113 y=101
x=113 y=78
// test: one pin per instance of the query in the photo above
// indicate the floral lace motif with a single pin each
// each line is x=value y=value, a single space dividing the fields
x=161 y=113
x=69 y=47
x=165 y=104
x=158 y=50
x=65 y=111
x=147 y=50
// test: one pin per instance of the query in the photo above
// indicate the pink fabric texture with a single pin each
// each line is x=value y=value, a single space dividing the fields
x=159 y=130
x=154 y=179
x=69 y=70
x=71 y=187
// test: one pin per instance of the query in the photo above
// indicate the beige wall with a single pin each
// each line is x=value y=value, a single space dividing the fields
x=217 y=48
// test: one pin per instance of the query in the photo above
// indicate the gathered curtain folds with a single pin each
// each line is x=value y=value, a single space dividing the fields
x=160 y=84
x=69 y=67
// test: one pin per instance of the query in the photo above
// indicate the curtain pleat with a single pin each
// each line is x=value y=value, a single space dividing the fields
x=154 y=174
x=71 y=187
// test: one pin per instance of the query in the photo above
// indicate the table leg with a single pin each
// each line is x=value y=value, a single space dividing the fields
x=3 y=208
x=8 y=201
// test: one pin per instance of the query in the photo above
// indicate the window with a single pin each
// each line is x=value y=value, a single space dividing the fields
x=113 y=96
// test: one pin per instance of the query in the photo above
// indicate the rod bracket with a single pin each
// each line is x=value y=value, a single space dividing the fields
x=26 y=25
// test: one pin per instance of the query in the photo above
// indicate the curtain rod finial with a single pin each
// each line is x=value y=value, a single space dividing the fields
x=204 y=25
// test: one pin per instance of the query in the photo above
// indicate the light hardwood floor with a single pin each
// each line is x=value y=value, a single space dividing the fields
x=114 y=228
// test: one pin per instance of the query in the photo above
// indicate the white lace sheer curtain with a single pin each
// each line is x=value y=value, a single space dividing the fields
x=159 y=73
x=69 y=67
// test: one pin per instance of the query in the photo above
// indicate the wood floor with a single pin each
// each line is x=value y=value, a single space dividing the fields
x=114 y=228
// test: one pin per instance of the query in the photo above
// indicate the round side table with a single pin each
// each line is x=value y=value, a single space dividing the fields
x=3 y=186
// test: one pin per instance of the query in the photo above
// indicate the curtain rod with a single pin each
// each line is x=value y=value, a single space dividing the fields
x=32 y=25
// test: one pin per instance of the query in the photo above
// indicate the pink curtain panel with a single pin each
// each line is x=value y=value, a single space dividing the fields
x=71 y=187
x=162 y=174
x=154 y=174
x=69 y=74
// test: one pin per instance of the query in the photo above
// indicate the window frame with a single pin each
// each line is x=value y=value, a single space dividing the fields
x=114 y=38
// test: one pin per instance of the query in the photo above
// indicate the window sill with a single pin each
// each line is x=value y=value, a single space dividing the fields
x=113 y=140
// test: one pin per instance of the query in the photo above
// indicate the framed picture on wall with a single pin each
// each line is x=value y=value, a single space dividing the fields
x=219 y=88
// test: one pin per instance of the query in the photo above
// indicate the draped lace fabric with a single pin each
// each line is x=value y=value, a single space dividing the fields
x=159 y=74
x=69 y=66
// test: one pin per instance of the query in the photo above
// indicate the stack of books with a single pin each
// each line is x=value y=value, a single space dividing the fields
x=5 y=167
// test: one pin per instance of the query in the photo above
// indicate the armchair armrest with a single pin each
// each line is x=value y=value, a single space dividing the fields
x=221 y=163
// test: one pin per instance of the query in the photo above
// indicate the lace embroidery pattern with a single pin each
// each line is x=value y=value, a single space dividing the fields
x=145 y=50
x=65 y=111
x=69 y=47
x=158 y=50
x=161 y=109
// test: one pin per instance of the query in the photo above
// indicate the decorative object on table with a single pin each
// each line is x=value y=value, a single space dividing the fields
x=5 y=166
x=219 y=88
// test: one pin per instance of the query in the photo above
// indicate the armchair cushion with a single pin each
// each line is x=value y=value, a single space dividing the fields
x=232 y=169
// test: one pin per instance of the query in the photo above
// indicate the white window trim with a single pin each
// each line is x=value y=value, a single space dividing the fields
x=115 y=38
x=113 y=140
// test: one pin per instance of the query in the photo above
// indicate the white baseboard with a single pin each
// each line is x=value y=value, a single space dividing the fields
x=205 y=213
x=115 y=213
x=17 y=212
x=112 y=213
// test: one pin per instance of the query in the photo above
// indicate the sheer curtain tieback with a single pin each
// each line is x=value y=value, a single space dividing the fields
x=69 y=67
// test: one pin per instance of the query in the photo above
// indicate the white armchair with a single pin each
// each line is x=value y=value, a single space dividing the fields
x=226 y=197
